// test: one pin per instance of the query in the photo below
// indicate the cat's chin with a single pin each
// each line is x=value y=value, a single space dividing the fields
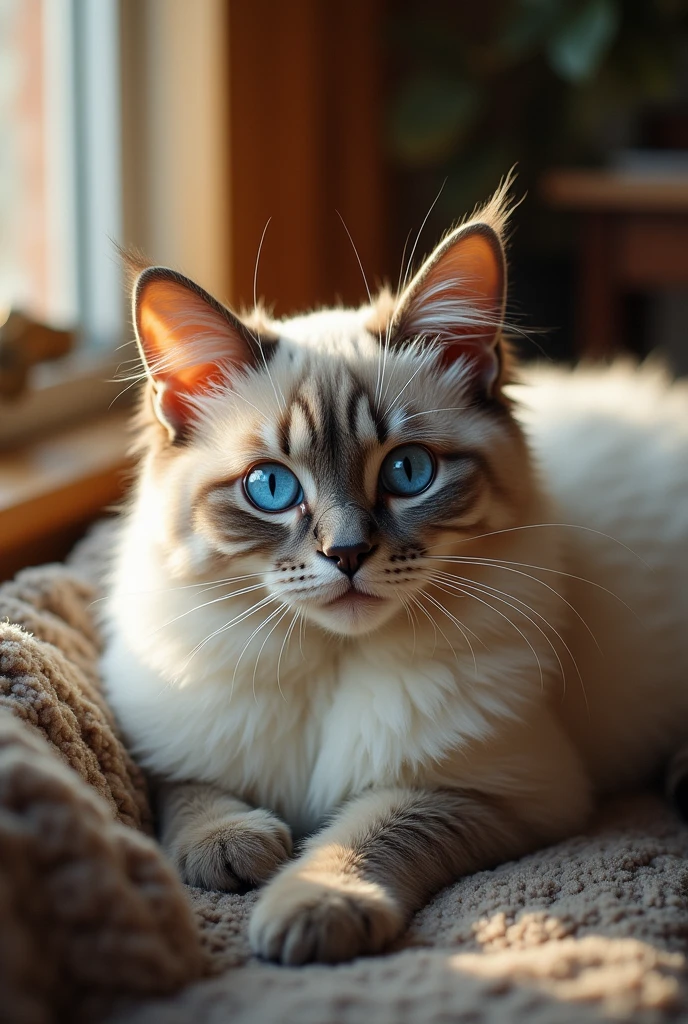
x=352 y=614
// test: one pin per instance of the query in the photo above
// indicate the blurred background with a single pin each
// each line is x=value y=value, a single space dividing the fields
x=185 y=128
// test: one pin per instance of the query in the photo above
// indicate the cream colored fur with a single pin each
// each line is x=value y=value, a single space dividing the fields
x=613 y=449
x=498 y=694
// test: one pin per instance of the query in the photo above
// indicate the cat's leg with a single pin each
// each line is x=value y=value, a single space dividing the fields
x=217 y=841
x=358 y=881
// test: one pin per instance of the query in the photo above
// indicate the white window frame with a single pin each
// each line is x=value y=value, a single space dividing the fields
x=84 y=165
x=83 y=181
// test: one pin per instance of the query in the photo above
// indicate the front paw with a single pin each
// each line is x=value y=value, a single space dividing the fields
x=233 y=852
x=328 y=919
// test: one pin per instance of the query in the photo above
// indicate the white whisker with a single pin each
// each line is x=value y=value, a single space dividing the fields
x=235 y=394
x=468 y=594
x=420 y=232
x=302 y=633
x=431 y=412
x=538 y=568
x=365 y=280
x=459 y=625
x=567 y=526
x=279 y=398
x=484 y=587
x=206 y=604
x=260 y=651
x=411 y=622
x=228 y=625
x=287 y=637
x=367 y=288
x=255 y=632
x=428 y=356
x=402 y=288
x=493 y=563
x=201 y=587
x=403 y=261
x=414 y=600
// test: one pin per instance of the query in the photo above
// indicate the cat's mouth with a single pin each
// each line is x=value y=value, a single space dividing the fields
x=350 y=613
x=353 y=598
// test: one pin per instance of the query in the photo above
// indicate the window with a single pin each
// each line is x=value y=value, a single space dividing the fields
x=60 y=172
x=60 y=195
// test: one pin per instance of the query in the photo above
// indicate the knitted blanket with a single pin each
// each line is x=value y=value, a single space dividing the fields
x=90 y=913
x=94 y=925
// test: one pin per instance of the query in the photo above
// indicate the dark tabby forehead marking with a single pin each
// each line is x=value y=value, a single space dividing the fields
x=352 y=406
x=305 y=408
x=285 y=423
x=334 y=419
x=283 y=428
x=330 y=429
x=381 y=428
x=357 y=395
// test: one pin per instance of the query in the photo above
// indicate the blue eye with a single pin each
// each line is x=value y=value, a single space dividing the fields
x=407 y=470
x=273 y=487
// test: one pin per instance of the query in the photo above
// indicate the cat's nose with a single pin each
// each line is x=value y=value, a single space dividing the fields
x=348 y=557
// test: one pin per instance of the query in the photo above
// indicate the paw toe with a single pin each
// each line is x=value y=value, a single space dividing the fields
x=235 y=853
x=319 y=924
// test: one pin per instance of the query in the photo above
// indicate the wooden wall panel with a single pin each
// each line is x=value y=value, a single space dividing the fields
x=305 y=140
x=355 y=169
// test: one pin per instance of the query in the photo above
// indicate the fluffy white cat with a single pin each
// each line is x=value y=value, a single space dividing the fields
x=377 y=588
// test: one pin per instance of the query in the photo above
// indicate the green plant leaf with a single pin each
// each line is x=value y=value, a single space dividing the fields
x=432 y=114
x=577 y=49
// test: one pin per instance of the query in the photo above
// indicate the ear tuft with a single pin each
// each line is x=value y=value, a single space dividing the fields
x=497 y=211
x=457 y=298
x=134 y=262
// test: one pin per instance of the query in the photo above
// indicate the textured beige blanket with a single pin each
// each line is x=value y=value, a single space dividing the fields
x=89 y=910
x=94 y=926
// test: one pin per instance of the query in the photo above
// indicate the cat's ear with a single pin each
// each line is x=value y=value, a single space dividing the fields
x=188 y=342
x=457 y=299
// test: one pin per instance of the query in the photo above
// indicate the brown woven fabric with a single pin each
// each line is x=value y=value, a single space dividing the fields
x=48 y=677
x=90 y=912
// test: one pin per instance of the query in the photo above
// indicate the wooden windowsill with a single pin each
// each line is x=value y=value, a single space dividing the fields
x=52 y=488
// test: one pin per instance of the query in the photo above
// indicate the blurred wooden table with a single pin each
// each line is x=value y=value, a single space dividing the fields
x=633 y=236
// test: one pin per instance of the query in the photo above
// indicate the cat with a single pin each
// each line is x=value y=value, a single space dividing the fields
x=379 y=591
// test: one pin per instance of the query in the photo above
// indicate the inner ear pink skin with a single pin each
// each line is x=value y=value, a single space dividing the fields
x=186 y=340
x=470 y=272
x=183 y=335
